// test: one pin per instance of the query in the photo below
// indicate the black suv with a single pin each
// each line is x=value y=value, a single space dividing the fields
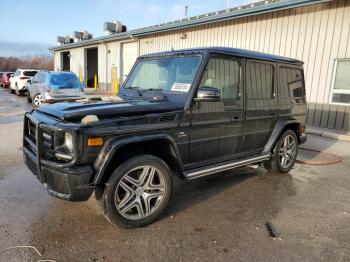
x=188 y=113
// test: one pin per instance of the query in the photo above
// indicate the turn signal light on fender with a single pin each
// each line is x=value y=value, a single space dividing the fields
x=97 y=141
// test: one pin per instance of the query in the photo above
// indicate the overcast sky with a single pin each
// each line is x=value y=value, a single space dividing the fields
x=29 y=27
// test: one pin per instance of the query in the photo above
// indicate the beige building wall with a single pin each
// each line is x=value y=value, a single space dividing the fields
x=317 y=34
x=57 y=61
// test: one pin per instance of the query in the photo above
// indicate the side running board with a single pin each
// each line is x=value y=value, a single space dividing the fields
x=209 y=170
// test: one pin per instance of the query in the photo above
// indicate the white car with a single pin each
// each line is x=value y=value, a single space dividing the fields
x=19 y=81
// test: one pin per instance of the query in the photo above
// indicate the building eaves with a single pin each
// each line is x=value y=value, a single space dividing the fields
x=256 y=8
x=228 y=14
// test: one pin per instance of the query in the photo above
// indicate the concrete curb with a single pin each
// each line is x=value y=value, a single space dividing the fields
x=326 y=134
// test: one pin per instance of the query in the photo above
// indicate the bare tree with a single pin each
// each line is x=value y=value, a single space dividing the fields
x=42 y=62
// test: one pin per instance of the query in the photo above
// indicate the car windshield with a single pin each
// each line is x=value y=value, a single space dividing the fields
x=64 y=81
x=174 y=74
x=29 y=73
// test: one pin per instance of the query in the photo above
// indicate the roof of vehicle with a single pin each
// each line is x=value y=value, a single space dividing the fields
x=61 y=72
x=229 y=51
x=27 y=69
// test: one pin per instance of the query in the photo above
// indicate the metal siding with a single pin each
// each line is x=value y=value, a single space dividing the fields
x=130 y=53
x=316 y=34
x=77 y=60
x=57 y=61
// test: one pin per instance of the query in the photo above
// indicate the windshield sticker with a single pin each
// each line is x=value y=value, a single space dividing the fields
x=180 y=87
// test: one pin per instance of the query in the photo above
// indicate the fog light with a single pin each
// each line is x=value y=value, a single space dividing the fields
x=62 y=156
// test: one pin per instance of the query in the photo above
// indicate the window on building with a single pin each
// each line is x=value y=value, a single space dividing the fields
x=341 y=83
x=259 y=82
x=223 y=73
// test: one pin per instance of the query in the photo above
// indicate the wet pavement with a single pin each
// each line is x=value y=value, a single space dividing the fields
x=218 y=218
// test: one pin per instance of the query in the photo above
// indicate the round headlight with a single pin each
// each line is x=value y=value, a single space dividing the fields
x=68 y=141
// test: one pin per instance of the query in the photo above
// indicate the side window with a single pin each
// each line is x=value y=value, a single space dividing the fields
x=259 y=84
x=292 y=83
x=41 y=78
x=223 y=73
x=35 y=78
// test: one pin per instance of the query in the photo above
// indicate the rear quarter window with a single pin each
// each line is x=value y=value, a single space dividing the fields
x=292 y=83
x=29 y=73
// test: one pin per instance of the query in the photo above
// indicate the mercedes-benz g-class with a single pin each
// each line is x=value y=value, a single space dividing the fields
x=187 y=113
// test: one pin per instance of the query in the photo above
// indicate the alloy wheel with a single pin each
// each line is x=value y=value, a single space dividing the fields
x=38 y=100
x=140 y=192
x=287 y=152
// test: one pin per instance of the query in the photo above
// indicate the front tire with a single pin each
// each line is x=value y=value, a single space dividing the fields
x=137 y=192
x=17 y=91
x=285 y=153
x=29 y=98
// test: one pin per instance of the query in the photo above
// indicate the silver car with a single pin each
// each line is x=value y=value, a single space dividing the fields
x=54 y=86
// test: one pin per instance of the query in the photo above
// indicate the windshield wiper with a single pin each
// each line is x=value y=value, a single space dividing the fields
x=132 y=87
x=152 y=89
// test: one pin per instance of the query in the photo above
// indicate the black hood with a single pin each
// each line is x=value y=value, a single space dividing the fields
x=75 y=111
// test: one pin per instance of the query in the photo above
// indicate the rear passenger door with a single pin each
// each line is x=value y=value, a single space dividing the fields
x=260 y=112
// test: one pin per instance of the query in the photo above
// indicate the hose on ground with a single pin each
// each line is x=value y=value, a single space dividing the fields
x=335 y=158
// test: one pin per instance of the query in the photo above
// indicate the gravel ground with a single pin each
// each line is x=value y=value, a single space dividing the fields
x=218 y=218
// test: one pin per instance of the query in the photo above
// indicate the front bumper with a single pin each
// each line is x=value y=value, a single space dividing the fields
x=70 y=183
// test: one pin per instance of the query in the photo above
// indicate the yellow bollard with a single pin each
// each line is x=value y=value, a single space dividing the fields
x=95 y=82
x=116 y=87
x=115 y=80
x=80 y=72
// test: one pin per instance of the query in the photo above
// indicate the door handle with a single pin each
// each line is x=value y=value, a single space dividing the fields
x=236 y=118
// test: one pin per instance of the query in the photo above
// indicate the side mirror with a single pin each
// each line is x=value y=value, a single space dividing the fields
x=29 y=81
x=209 y=94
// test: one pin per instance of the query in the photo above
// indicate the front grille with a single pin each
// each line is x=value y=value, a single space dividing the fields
x=47 y=138
x=31 y=131
x=48 y=143
x=56 y=181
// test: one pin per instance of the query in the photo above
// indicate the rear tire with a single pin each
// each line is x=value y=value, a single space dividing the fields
x=285 y=153
x=37 y=100
x=137 y=192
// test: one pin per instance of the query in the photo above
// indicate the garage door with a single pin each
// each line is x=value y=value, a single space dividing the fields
x=130 y=53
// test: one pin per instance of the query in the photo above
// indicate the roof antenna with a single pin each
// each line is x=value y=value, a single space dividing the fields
x=186 y=9
x=228 y=4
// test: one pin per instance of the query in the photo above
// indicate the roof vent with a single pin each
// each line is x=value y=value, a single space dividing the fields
x=87 y=35
x=114 y=27
x=78 y=36
x=63 y=40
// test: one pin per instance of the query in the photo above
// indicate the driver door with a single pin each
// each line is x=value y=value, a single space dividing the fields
x=216 y=126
